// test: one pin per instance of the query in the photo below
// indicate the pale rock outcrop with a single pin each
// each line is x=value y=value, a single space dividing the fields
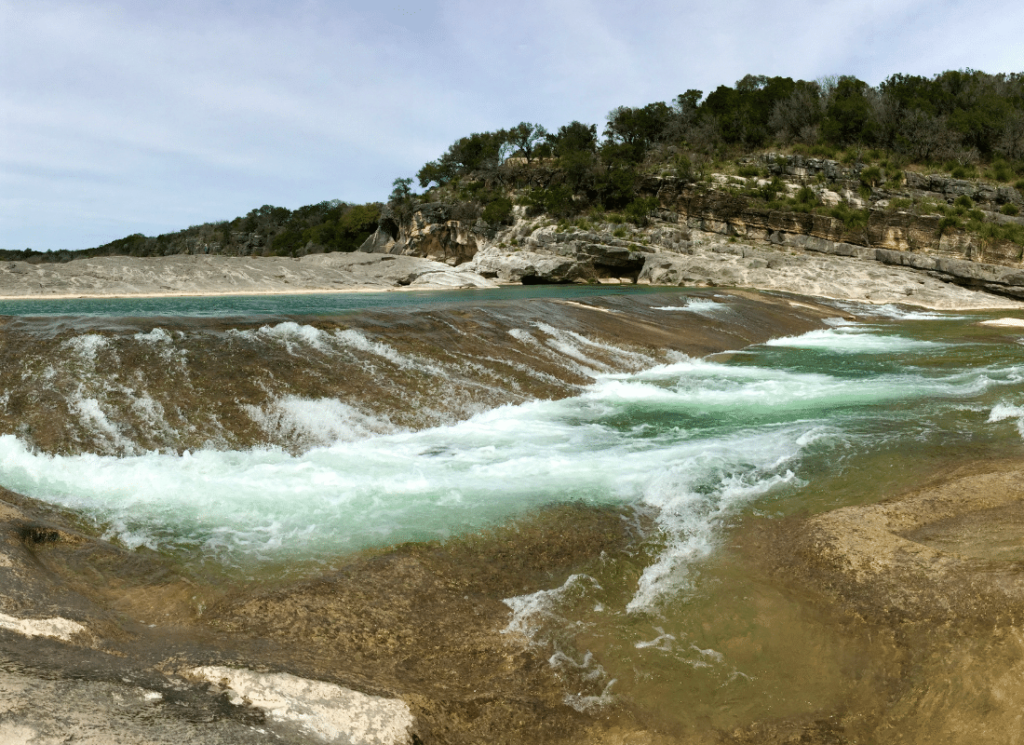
x=510 y=265
x=429 y=232
x=330 y=713
x=844 y=278
x=214 y=274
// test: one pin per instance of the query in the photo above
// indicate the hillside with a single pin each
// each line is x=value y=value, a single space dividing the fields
x=933 y=165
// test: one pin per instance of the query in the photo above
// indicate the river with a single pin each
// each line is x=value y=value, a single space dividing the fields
x=693 y=449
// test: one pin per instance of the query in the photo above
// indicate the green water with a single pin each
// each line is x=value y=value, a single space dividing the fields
x=685 y=631
x=316 y=304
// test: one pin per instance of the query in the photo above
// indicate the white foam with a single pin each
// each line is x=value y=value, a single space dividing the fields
x=529 y=611
x=156 y=336
x=1003 y=411
x=358 y=341
x=87 y=345
x=664 y=642
x=896 y=312
x=589 y=704
x=852 y=340
x=312 y=422
x=586 y=672
x=295 y=337
x=696 y=305
x=94 y=419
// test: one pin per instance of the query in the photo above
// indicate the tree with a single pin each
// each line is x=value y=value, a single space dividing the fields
x=797 y=116
x=402 y=191
x=525 y=137
x=925 y=137
x=744 y=112
x=637 y=128
x=848 y=114
x=685 y=111
x=1011 y=141
x=886 y=115
x=574 y=137
x=480 y=151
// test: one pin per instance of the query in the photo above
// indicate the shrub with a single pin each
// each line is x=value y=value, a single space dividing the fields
x=963 y=201
x=960 y=171
x=749 y=171
x=1001 y=171
x=852 y=219
x=1010 y=209
x=769 y=191
x=869 y=177
x=683 y=168
x=947 y=223
x=638 y=210
x=1013 y=233
x=806 y=195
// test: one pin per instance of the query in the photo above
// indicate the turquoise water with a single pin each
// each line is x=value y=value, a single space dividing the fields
x=693 y=442
x=312 y=304
x=852 y=413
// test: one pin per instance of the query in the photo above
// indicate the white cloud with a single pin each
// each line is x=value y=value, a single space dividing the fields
x=130 y=116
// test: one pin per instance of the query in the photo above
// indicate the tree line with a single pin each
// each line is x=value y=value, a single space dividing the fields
x=957 y=121
x=954 y=121
x=331 y=225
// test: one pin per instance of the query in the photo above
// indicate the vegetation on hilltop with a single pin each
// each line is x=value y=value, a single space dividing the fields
x=265 y=231
x=967 y=124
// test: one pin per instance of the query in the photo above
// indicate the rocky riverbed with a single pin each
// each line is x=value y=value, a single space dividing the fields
x=657 y=256
x=916 y=602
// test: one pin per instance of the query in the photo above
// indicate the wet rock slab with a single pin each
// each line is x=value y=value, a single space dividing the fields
x=398 y=646
x=935 y=580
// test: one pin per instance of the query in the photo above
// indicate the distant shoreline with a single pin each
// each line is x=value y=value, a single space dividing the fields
x=186 y=276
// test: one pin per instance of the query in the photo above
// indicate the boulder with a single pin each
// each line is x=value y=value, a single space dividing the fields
x=380 y=242
x=527 y=267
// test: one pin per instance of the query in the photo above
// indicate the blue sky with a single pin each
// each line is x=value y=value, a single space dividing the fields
x=124 y=116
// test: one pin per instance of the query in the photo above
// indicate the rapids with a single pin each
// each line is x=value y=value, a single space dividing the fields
x=287 y=442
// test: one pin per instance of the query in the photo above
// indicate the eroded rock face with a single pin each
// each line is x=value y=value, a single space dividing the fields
x=429 y=232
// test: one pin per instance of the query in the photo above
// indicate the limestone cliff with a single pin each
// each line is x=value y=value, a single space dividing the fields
x=429 y=231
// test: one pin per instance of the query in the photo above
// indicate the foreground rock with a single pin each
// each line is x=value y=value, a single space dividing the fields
x=101 y=645
x=933 y=582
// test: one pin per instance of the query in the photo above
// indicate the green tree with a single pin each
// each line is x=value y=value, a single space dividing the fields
x=574 y=137
x=480 y=151
x=632 y=131
x=402 y=191
x=525 y=137
x=848 y=114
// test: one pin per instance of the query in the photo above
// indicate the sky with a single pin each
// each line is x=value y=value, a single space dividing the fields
x=129 y=116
